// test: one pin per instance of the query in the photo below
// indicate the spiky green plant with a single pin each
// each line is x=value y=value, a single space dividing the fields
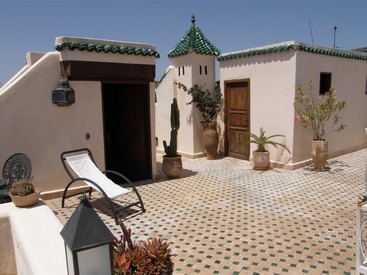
x=262 y=140
x=22 y=188
x=171 y=149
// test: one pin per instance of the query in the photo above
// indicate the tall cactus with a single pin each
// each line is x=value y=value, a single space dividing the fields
x=171 y=150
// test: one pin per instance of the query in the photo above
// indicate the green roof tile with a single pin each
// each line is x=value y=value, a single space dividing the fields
x=296 y=46
x=90 y=47
x=194 y=39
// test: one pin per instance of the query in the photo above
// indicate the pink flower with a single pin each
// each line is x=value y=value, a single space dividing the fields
x=296 y=118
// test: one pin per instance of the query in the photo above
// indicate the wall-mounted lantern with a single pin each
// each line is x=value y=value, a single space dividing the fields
x=88 y=242
x=63 y=95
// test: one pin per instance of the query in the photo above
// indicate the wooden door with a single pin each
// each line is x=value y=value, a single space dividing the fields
x=237 y=96
x=127 y=130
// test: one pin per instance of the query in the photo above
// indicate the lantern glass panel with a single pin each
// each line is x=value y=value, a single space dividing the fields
x=95 y=260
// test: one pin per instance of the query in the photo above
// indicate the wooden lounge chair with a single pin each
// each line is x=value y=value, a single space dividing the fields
x=82 y=163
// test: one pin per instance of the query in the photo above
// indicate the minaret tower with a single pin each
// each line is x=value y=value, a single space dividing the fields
x=193 y=58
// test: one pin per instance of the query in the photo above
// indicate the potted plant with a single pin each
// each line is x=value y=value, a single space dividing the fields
x=209 y=105
x=172 y=162
x=261 y=156
x=24 y=194
x=144 y=257
x=319 y=116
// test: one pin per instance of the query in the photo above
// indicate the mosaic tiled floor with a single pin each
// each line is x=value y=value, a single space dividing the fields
x=222 y=217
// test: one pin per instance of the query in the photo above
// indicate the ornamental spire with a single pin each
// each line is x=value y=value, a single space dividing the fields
x=193 y=40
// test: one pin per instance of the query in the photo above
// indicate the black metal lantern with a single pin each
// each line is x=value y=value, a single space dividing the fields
x=88 y=242
x=63 y=95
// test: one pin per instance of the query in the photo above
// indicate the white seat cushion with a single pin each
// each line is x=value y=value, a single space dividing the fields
x=84 y=167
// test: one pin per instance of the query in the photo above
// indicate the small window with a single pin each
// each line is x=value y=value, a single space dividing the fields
x=365 y=87
x=206 y=70
x=179 y=71
x=325 y=82
x=183 y=70
x=201 y=69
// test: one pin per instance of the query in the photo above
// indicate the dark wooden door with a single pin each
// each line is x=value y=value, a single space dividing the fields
x=237 y=119
x=127 y=130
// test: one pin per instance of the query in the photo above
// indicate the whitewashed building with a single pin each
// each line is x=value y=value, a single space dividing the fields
x=193 y=62
x=259 y=86
x=112 y=114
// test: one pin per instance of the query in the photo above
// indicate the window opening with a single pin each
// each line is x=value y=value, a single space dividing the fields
x=206 y=70
x=325 y=82
x=200 y=70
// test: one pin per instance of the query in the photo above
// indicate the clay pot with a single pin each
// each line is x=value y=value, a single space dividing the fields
x=319 y=154
x=210 y=140
x=261 y=160
x=172 y=166
x=23 y=201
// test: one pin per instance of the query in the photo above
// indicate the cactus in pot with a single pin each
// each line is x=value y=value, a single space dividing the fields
x=172 y=163
x=23 y=193
x=171 y=149
x=22 y=188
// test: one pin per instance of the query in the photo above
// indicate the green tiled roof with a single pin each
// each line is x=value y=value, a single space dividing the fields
x=90 y=47
x=194 y=39
x=296 y=46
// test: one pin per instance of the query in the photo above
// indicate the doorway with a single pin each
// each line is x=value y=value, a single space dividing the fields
x=237 y=119
x=126 y=115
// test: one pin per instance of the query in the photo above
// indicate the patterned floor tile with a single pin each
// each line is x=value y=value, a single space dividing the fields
x=222 y=217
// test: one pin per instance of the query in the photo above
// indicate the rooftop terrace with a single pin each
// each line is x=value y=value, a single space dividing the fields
x=222 y=217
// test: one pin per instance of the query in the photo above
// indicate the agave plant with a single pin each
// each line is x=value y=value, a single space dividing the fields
x=123 y=249
x=145 y=257
x=156 y=258
x=262 y=140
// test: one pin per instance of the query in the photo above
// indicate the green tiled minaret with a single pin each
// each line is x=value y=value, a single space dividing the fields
x=193 y=40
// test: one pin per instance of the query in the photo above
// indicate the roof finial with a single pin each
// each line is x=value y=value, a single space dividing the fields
x=193 y=18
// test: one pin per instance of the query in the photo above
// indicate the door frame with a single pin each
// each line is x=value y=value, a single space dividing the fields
x=227 y=84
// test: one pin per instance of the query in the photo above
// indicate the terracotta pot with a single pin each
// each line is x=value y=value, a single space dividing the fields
x=319 y=154
x=210 y=140
x=261 y=160
x=23 y=201
x=172 y=166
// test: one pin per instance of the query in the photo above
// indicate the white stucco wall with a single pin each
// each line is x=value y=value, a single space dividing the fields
x=272 y=82
x=349 y=82
x=33 y=125
x=33 y=235
x=273 y=78
x=164 y=93
x=186 y=70
x=189 y=127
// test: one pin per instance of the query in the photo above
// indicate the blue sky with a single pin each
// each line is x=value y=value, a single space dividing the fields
x=231 y=25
